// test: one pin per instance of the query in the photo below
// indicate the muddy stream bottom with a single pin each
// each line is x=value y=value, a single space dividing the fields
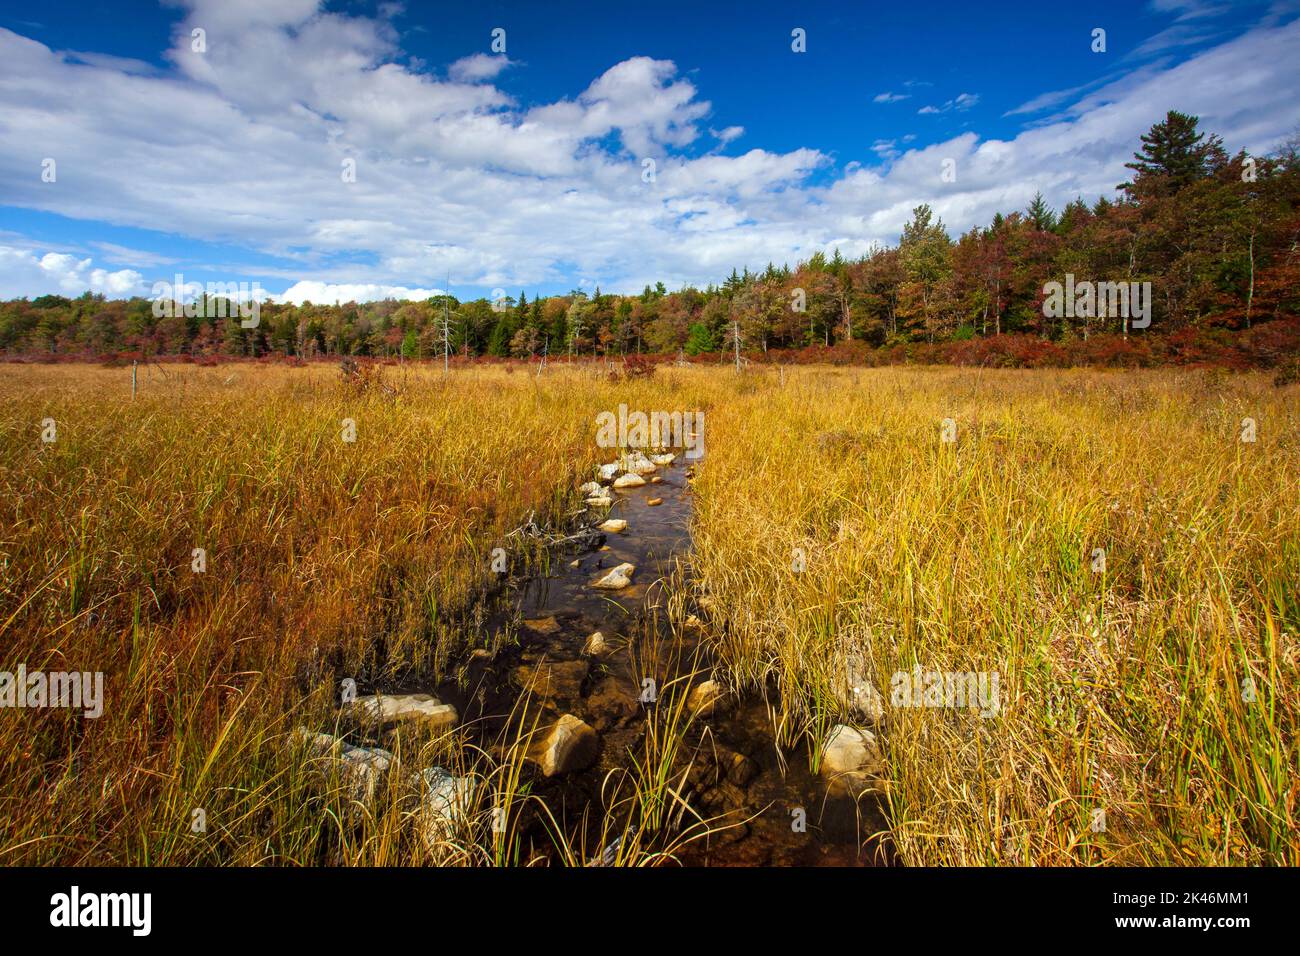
x=761 y=807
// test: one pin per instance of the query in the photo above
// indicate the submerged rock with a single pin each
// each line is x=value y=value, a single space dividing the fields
x=564 y=747
x=550 y=679
x=614 y=702
x=629 y=480
x=445 y=802
x=386 y=709
x=613 y=525
x=705 y=698
x=617 y=579
x=543 y=625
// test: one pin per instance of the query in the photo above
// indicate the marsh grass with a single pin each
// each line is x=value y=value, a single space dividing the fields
x=324 y=559
x=1121 y=691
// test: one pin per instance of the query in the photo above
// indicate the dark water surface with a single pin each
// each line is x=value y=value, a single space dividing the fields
x=736 y=775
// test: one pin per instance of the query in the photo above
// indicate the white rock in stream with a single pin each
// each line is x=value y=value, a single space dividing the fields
x=600 y=501
x=853 y=752
x=663 y=459
x=361 y=770
x=596 y=645
x=640 y=466
x=385 y=709
x=613 y=525
x=629 y=481
x=617 y=578
x=567 y=745
x=591 y=489
x=445 y=801
x=607 y=472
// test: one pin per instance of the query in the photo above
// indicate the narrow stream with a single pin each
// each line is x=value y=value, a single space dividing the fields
x=779 y=812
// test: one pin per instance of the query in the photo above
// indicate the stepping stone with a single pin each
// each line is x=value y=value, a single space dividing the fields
x=386 y=709
x=567 y=745
x=617 y=579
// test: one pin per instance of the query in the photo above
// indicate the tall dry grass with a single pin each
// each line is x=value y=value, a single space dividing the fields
x=1120 y=692
x=324 y=558
x=1162 y=692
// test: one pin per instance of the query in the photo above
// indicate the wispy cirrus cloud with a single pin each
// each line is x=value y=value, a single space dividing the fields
x=961 y=103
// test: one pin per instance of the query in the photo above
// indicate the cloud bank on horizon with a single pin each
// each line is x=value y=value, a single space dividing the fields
x=312 y=152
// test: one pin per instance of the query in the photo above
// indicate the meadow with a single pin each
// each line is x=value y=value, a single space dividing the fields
x=841 y=525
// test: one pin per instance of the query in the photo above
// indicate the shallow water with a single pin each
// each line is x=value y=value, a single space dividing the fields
x=763 y=800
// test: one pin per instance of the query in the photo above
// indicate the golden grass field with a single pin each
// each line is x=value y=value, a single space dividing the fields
x=1162 y=691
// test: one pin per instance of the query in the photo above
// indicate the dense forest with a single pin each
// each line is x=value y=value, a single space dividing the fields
x=1216 y=234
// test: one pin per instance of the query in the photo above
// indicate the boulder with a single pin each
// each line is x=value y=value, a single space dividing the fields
x=565 y=746
x=613 y=525
x=607 y=472
x=655 y=480
x=854 y=693
x=445 y=801
x=387 y=709
x=865 y=701
x=590 y=488
x=361 y=770
x=663 y=459
x=638 y=464
x=851 y=753
x=629 y=480
x=596 y=645
x=617 y=579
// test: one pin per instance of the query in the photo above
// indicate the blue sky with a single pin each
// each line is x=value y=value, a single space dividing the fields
x=528 y=170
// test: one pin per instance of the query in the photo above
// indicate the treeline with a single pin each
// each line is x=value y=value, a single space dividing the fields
x=1215 y=234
